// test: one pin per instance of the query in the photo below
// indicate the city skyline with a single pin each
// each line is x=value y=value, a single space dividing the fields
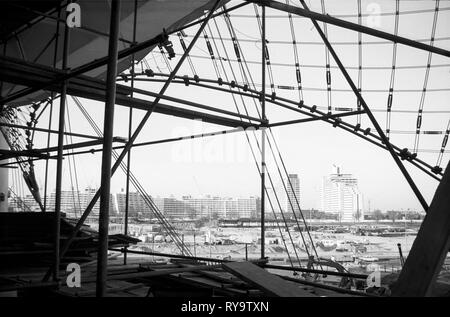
x=365 y=203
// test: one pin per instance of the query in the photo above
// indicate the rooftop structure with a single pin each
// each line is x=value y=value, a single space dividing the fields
x=195 y=60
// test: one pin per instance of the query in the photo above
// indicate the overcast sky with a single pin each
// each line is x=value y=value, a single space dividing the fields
x=223 y=165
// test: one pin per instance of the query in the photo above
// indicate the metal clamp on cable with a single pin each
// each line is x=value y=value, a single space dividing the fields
x=168 y=46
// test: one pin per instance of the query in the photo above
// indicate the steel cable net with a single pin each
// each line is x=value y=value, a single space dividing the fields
x=404 y=87
x=407 y=89
x=395 y=80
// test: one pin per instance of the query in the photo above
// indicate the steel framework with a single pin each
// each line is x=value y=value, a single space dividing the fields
x=72 y=82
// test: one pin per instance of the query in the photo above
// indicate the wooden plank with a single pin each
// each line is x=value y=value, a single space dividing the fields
x=222 y=276
x=265 y=281
x=150 y=274
x=430 y=247
x=205 y=283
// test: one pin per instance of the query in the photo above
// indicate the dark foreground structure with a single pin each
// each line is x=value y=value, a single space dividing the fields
x=46 y=58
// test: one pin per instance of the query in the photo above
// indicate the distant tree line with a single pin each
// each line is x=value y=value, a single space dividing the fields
x=393 y=215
